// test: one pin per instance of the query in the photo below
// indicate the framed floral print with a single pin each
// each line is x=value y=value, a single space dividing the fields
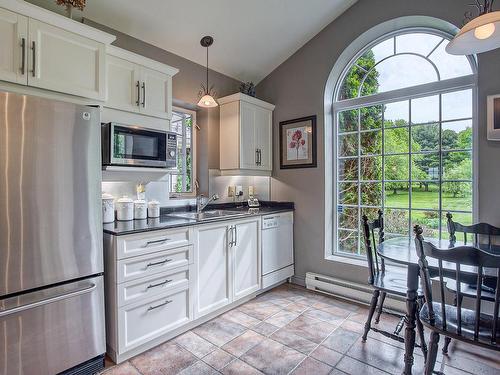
x=298 y=143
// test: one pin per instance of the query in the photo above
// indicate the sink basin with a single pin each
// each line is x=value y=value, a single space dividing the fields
x=208 y=215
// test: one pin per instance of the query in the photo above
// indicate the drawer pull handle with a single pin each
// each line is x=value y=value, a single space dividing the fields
x=160 y=305
x=161 y=263
x=159 y=284
x=156 y=242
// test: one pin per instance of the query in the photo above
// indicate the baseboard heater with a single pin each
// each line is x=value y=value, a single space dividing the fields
x=348 y=290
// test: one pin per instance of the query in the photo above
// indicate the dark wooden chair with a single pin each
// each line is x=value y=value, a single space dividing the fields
x=384 y=282
x=474 y=235
x=465 y=325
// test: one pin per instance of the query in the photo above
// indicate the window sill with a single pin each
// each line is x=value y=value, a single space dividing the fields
x=361 y=262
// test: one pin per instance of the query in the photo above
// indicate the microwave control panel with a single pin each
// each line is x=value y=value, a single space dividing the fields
x=171 y=150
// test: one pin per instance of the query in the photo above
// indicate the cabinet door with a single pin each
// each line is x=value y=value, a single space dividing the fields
x=248 y=149
x=123 y=84
x=156 y=91
x=13 y=30
x=212 y=282
x=65 y=62
x=263 y=138
x=246 y=259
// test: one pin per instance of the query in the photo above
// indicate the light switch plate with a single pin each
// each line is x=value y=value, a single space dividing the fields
x=230 y=191
x=251 y=190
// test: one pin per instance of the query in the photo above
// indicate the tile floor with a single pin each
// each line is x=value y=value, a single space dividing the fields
x=290 y=330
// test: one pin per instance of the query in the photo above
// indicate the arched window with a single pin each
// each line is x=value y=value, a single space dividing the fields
x=403 y=120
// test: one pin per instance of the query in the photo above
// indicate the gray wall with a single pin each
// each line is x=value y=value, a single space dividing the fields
x=297 y=89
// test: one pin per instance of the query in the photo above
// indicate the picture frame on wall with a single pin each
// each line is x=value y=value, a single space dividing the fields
x=493 y=113
x=298 y=148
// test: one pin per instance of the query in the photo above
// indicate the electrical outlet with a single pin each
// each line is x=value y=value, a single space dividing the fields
x=231 y=191
x=251 y=190
x=239 y=191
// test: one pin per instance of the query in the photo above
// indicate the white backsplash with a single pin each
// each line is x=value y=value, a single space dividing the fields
x=219 y=185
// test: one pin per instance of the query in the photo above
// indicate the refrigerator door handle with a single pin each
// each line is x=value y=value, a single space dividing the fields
x=87 y=289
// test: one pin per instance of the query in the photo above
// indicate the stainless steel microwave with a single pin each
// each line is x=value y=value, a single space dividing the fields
x=126 y=145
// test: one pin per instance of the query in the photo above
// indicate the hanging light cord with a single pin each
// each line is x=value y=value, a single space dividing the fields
x=207 y=72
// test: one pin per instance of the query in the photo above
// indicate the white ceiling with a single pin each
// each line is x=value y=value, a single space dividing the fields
x=252 y=37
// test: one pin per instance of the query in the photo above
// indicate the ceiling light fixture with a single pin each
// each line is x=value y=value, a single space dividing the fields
x=207 y=93
x=478 y=34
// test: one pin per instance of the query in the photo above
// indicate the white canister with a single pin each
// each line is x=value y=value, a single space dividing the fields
x=125 y=209
x=140 y=209
x=108 y=208
x=154 y=209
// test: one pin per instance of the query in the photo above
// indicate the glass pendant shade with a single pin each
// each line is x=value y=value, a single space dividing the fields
x=479 y=35
x=207 y=101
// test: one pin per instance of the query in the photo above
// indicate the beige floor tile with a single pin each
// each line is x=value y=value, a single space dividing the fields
x=271 y=357
x=289 y=338
x=123 y=369
x=243 y=343
x=219 y=331
x=195 y=344
x=218 y=359
x=238 y=367
x=165 y=359
x=325 y=355
x=310 y=366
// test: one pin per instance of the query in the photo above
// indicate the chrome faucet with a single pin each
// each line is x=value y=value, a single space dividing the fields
x=200 y=206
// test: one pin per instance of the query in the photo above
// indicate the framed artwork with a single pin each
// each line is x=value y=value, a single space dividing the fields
x=493 y=117
x=298 y=143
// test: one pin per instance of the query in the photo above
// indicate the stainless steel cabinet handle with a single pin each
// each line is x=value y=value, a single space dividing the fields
x=143 y=94
x=156 y=242
x=159 y=284
x=230 y=230
x=260 y=156
x=160 y=305
x=87 y=289
x=235 y=235
x=138 y=101
x=161 y=263
x=23 y=56
x=257 y=156
x=33 y=49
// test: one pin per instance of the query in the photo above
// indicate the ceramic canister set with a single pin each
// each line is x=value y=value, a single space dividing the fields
x=127 y=209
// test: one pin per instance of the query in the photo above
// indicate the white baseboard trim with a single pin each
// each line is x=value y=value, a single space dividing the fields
x=350 y=291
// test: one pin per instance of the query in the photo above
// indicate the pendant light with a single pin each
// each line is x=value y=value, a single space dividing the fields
x=479 y=34
x=207 y=94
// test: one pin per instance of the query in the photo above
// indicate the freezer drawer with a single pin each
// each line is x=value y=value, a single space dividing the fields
x=51 y=330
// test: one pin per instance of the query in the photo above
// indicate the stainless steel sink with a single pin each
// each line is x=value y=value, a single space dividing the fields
x=208 y=215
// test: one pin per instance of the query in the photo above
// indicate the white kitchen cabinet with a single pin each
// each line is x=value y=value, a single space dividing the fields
x=137 y=84
x=65 y=62
x=227 y=259
x=245 y=135
x=123 y=84
x=212 y=268
x=246 y=259
x=44 y=50
x=14 y=44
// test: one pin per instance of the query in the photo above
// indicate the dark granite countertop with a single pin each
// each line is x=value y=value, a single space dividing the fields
x=169 y=220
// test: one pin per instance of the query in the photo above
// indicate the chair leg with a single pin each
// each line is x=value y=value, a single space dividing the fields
x=373 y=306
x=432 y=355
x=447 y=341
x=420 y=329
x=380 y=307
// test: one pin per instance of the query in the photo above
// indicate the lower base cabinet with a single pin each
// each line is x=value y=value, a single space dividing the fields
x=158 y=283
x=227 y=264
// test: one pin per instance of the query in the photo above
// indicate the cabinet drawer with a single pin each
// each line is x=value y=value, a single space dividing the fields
x=144 y=321
x=145 y=243
x=135 y=290
x=146 y=265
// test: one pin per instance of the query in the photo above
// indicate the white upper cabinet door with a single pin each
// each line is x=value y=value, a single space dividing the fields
x=248 y=149
x=246 y=259
x=263 y=138
x=156 y=93
x=212 y=282
x=124 y=86
x=65 y=62
x=13 y=44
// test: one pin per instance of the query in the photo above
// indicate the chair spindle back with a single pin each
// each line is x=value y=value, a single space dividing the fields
x=370 y=237
x=475 y=230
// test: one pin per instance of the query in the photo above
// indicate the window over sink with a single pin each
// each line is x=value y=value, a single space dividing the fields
x=403 y=138
x=183 y=180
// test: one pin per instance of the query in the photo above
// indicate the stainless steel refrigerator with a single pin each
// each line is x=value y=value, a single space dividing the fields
x=51 y=261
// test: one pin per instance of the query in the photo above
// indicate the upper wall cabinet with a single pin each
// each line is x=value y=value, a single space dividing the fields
x=245 y=135
x=48 y=51
x=138 y=84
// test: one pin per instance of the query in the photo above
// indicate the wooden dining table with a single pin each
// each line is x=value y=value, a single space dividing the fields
x=401 y=250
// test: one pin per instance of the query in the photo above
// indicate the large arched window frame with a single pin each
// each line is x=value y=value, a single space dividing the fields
x=439 y=87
